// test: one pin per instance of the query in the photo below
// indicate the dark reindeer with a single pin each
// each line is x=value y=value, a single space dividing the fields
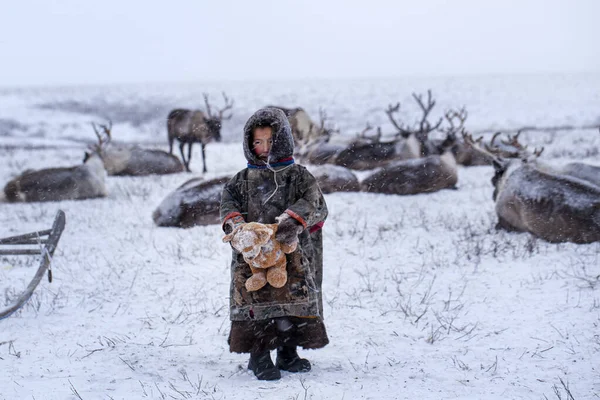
x=195 y=202
x=531 y=198
x=333 y=178
x=195 y=126
x=417 y=175
x=368 y=152
x=83 y=181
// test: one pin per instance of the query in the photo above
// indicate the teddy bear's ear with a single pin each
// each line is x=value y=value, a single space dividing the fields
x=228 y=238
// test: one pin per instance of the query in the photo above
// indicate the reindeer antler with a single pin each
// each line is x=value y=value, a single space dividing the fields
x=207 y=104
x=424 y=125
x=323 y=129
x=228 y=106
x=494 y=138
x=513 y=140
x=390 y=111
x=322 y=119
x=107 y=130
x=454 y=115
x=102 y=140
x=368 y=127
x=476 y=145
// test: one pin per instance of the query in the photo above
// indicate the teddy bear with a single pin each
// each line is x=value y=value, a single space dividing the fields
x=264 y=254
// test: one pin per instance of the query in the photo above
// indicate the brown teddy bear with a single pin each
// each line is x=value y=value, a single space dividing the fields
x=264 y=254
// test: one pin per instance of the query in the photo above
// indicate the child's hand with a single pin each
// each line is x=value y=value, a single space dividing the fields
x=233 y=223
x=288 y=230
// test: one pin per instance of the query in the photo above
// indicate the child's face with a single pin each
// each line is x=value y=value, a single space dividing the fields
x=262 y=140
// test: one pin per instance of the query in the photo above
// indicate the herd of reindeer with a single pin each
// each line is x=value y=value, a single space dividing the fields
x=555 y=203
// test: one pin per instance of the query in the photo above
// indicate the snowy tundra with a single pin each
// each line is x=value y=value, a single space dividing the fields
x=424 y=299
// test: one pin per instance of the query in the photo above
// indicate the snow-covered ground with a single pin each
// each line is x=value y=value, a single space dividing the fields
x=424 y=299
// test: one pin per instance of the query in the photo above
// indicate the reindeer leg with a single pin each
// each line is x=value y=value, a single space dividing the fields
x=203 y=158
x=190 y=155
x=257 y=281
x=185 y=163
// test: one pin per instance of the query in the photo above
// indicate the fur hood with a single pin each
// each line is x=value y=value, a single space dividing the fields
x=283 y=141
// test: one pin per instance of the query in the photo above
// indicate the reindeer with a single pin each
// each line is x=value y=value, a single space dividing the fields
x=408 y=142
x=122 y=160
x=530 y=198
x=415 y=141
x=333 y=178
x=464 y=154
x=304 y=129
x=79 y=182
x=196 y=202
x=417 y=175
x=195 y=126
x=320 y=145
x=513 y=148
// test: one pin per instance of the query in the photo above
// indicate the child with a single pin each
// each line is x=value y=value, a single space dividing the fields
x=273 y=189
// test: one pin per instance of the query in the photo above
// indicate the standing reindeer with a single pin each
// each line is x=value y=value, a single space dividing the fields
x=195 y=126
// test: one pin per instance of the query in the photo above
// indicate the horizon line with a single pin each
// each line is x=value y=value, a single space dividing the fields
x=194 y=81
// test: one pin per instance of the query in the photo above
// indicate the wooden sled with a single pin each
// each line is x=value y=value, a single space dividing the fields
x=46 y=242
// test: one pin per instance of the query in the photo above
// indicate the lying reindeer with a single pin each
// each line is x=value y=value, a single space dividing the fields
x=365 y=152
x=333 y=178
x=550 y=205
x=195 y=202
x=513 y=148
x=80 y=182
x=124 y=160
x=419 y=175
x=304 y=130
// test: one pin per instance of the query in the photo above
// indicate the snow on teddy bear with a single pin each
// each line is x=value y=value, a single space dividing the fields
x=264 y=254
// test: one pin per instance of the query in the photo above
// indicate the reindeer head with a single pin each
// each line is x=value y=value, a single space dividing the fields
x=499 y=161
x=214 y=122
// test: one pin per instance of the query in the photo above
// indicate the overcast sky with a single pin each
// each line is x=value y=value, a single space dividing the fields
x=53 y=42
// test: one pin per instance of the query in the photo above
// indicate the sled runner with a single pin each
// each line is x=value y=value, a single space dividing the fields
x=45 y=243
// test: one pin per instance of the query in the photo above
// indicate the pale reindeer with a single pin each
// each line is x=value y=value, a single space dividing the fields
x=512 y=148
x=126 y=160
x=529 y=197
x=79 y=182
x=314 y=143
x=195 y=126
x=304 y=130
